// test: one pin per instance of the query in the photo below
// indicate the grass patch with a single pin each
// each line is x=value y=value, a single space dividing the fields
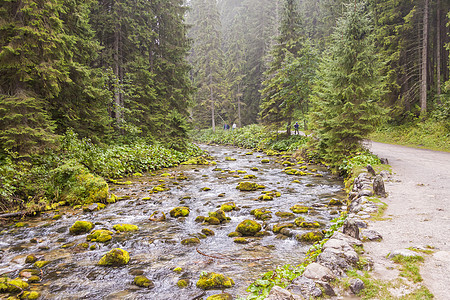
x=409 y=267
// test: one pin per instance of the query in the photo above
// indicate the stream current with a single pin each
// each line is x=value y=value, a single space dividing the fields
x=156 y=249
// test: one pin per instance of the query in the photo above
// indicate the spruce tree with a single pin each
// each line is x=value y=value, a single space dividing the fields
x=345 y=102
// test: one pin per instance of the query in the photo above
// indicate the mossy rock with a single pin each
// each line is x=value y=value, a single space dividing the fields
x=182 y=283
x=265 y=161
x=143 y=281
x=299 y=209
x=30 y=295
x=241 y=172
x=178 y=270
x=230 y=158
x=211 y=281
x=8 y=285
x=249 y=153
x=248 y=227
x=80 y=227
x=223 y=296
x=212 y=221
x=190 y=241
x=310 y=237
x=200 y=219
x=56 y=217
x=41 y=263
x=219 y=214
x=93 y=247
x=335 y=202
x=115 y=257
x=229 y=206
x=261 y=214
x=82 y=246
x=262 y=234
x=284 y=214
x=249 y=186
x=30 y=259
x=125 y=227
x=208 y=232
x=157 y=216
x=234 y=234
x=100 y=236
x=296 y=181
x=205 y=189
x=287 y=163
x=299 y=220
x=250 y=176
x=277 y=227
x=180 y=211
x=112 y=199
x=221 y=195
x=265 y=197
x=241 y=240
x=309 y=225
x=27 y=273
x=34 y=278
x=254 y=169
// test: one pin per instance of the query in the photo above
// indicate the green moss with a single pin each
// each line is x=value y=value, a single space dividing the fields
x=30 y=259
x=261 y=214
x=100 y=235
x=157 y=216
x=8 y=285
x=241 y=172
x=178 y=270
x=299 y=209
x=265 y=161
x=248 y=227
x=241 y=240
x=335 y=202
x=80 y=227
x=143 y=281
x=115 y=257
x=309 y=225
x=190 y=241
x=210 y=281
x=207 y=232
x=265 y=197
x=34 y=278
x=229 y=206
x=93 y=247
x=20 y=224
x=254 y=169
x=218 y=214
x=212 y=221
x=30 y=295
x=277 y=227
x=234 y=234
x=125 y=227
x=41 y=263
x=205 y=189
x=299 y=220
x=56 y=217
x=310 y=237
x=83 y=245
x=230 y=158
x=200 y=219
x=181 y=211
x=249 y=186
x=182 y=283
x=283 y=214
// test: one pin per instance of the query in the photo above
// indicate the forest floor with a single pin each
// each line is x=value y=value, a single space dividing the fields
x=418 y=214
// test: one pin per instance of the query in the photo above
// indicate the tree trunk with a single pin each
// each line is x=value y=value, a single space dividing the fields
x=423 y=96
x=239 y=105
x=213 y=121
x=438 y=50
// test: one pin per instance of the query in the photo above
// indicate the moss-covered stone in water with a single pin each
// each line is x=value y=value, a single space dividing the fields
x=230 y=158
x=158 y=216
x=309 y=225
x=182 y=283
x=219 y=214
x=241 y=172
x=248 y=227
x=30 y=295
x=212 y=221
x=178 y=270
x=283 y=214
x=100 y=236
x=125 y=227
x=229 y=206
x=234 y=234
x=265 y=197
x=249 y=186
x=80 y=227
x=93 y=247
x=223 y=296
x=190 y=241
x=265 y=161
x=299 y=209
x=41 y=263
x=261 y=214
x=56 y=217
x=277 y=227
x=211 y=281
x=207 y=232
x=254 y=169
x=27 y=273
x=335 y=202
x=12 y=285
x=298 y=221
x=34 y=278
x=180 y=211
x=143 y=281
x=115 y=257
x=250 y=176
x=241 y=240
x=20 y=224
x=200 y=219
x=30 y=259
x=310 y=237
x=296 y=181
x=205 y=189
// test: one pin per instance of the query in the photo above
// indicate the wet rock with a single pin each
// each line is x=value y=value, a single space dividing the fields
x=211 y=281
x=241 y=240
x=125 y=227
x=306 y=287
x=335 y=202
x=212 y=221
x=30 y=259
x=350 y=228
x=158 y=216
x=234 y=234
x=309 y=225
x=223 y=296
x=115 y=257
x=182 y=283
x=278 y=227
x=262 y=214
x=200 y=219
x=219 y=215
x=385 y=174
x=371 y=170
x=27 y=273
x=370 y=235
x=94 y=207
x=310 y=237
x=248 y=227
x=299 y=209
x=249 y=186
x=143 y=281
x=356 y=285
x=41 y=263
x=278 y=293
x=299 y=220
x=378 y=186
x=34 y=278
x=80 y=227
x=316 y=271
x=366 y=193
x=8 y=285
x=179 y=212
x=99 y=235
x=190 y=241
x=208 y=232
x=327 y=288
x=287 y=232
x=229 y=206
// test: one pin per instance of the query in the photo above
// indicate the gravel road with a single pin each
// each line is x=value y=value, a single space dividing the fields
x=418 y=212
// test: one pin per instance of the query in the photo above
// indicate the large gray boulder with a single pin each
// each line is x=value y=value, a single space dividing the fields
x=378 y=186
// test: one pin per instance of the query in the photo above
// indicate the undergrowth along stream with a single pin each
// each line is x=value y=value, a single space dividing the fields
x=156 y=249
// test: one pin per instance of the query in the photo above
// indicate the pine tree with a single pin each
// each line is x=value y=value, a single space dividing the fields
x=345 y=107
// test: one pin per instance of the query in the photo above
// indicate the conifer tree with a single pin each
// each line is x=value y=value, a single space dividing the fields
x=345 y=107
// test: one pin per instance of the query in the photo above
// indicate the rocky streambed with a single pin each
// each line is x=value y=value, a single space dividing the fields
x=189 y=222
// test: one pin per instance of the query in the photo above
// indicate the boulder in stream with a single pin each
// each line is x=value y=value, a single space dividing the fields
x=190 y=241
x=223 y=296
x=125 y=227
x=248 y=227
x=80 y=227
x=214 y=281
x=115 y=257
x=143 y=281
x=158 y=216
x=100 y=236
x=249 y=186
x=262 y=213
x=229 y=206
x=299 y=209
x=180 y=211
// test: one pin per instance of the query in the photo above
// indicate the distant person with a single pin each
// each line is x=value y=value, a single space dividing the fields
x=296 y=126
x=228 y=127
x=234 y=126
x=224 y=126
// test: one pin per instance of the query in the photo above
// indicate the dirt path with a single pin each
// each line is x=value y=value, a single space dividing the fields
x=419 y=212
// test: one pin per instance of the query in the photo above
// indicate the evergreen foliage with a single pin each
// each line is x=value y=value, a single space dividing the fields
x=345 y=107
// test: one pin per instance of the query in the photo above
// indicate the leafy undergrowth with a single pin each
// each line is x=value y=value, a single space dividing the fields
x=429 y=134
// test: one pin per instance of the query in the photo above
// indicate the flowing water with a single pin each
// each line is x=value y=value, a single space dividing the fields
x=155 y=249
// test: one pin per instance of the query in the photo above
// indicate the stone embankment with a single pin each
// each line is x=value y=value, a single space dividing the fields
x=340 y=252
